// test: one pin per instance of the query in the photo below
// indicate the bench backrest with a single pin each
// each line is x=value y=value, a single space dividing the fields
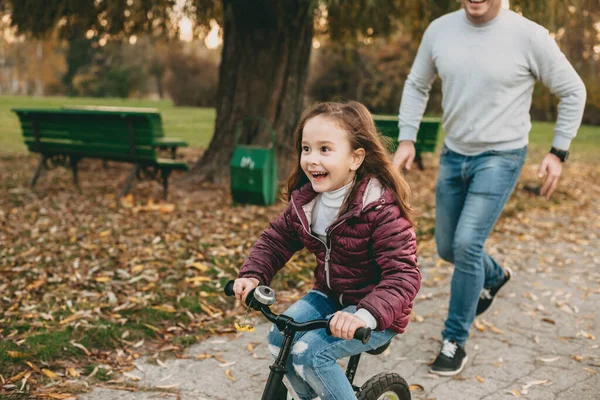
x=426 y=137
x=98 y=133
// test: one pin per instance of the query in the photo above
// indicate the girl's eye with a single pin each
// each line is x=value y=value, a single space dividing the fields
x=305 y=149
x=325 y=149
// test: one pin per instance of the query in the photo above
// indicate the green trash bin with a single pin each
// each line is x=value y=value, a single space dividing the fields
x=253 y=169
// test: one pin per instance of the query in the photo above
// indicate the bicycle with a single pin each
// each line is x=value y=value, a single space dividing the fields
x=383 y=386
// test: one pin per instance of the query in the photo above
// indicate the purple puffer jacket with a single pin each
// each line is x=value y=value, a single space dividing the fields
x=369 y=259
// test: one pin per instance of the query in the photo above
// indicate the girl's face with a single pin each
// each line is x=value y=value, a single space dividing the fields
x=327 y=158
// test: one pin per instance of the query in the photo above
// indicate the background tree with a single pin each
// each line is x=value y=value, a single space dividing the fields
x=265 y=55
x=267 y=46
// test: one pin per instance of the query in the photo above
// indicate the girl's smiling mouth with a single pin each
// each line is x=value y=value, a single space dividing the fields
x=317 y=176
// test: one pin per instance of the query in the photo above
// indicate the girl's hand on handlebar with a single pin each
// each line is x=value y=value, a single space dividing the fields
x=343 y=325
x=243 y=286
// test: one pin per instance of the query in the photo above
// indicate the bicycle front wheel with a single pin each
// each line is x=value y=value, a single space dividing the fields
x=385 y=386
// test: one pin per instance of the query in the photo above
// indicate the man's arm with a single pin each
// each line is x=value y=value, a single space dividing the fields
x=553 y=69
x=415 y=94
x=414 y=100
x=551 y=66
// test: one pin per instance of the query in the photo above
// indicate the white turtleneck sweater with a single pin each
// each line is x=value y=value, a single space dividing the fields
x=327 y=207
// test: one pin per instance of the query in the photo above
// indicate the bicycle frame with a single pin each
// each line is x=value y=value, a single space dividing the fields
x=289 y=327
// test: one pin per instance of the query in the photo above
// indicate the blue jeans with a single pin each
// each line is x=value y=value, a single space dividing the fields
x=312 y=368
x=471 y=192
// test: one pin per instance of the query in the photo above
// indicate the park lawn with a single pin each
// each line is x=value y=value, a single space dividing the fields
x=196 y=125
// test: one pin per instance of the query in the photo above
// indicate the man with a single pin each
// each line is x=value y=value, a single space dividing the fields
x=488 y=59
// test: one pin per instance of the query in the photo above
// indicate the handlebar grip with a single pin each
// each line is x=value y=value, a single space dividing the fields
x=363 y=334
x=228 y=289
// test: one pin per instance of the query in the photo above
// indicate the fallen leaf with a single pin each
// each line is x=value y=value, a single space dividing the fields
x=586 y=335
x=162 y=364
x=480 y=379
x=225 y=365
x=70 y=319
x=514 y=392
x=16 y=354
x=81 y=347
x=219 y=359
x=17 y=377
x=198 y=279
x=165 y=308
x=415 y=386
x=33 y=367
x=168 y=386
x=199 y=266
x=228 y=373
x=549 y=359
x=534 y=383
x=49 y=373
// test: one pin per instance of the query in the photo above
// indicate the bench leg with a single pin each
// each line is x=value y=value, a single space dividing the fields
x=165 y=178
x=74 y=161
x=41 y=165
x=173 y=152
x=132 y=175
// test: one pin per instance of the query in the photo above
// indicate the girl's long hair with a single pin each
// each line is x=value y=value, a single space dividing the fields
x=357 y=121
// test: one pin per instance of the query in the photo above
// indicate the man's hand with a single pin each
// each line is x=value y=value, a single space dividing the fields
x=551 y=168
x=242 y=286
x=343 y=325
x=405 y=155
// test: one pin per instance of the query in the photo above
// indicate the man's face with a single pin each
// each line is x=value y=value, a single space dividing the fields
x=481 y=11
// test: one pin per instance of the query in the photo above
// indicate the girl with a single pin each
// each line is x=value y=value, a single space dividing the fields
x=349 y=206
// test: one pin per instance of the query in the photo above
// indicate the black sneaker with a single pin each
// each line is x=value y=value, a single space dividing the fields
x=450 y=361
x=486 y=298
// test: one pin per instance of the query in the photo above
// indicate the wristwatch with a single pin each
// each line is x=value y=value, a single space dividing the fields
x=561 y=154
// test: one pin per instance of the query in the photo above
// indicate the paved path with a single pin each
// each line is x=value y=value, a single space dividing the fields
x=540 y=340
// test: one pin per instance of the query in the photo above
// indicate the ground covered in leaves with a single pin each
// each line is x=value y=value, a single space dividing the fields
x=88 y=286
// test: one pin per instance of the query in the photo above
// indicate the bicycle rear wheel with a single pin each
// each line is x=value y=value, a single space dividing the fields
x=385 y=386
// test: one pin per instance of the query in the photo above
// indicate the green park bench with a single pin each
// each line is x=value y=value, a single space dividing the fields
x=427 y=136
x=123 y=134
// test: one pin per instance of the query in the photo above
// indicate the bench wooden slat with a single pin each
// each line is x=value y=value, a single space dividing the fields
x=106 y=151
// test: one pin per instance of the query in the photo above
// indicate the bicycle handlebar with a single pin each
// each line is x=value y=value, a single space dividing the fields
x=283 y=321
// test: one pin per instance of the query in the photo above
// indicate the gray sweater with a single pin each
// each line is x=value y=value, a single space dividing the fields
x=488 y=72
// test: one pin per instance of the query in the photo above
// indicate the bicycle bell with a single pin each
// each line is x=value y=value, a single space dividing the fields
x=264 y=295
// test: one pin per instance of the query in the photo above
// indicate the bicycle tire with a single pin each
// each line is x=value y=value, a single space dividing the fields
x=385 y=384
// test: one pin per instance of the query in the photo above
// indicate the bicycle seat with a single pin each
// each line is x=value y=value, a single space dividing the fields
x=380 y=349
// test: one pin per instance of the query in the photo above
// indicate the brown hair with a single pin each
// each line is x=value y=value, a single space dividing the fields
x=357 y=121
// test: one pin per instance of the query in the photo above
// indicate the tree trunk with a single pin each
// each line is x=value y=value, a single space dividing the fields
x=263 y=71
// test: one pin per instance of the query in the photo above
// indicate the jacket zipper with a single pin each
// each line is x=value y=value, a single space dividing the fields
x=327 y=248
